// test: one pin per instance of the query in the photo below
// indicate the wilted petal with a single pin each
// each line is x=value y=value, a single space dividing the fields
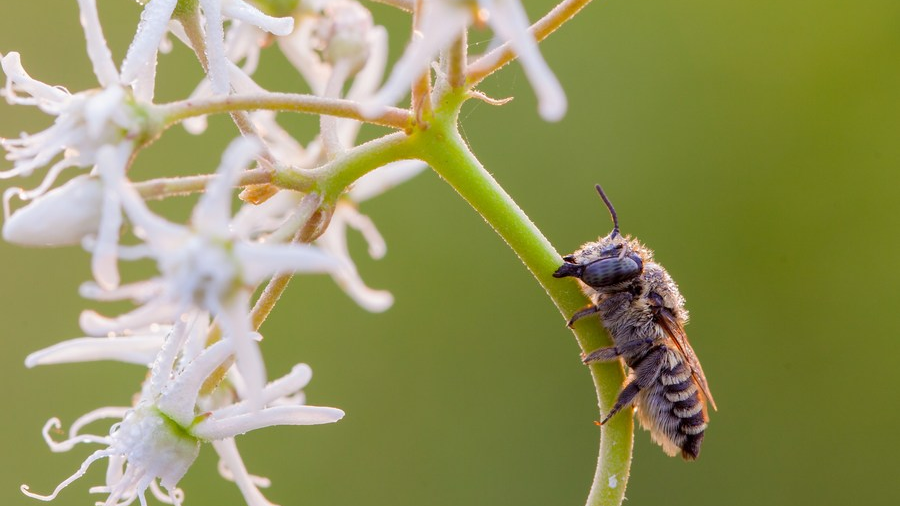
x=138 y=349
x=61 y=217
x=213 y=428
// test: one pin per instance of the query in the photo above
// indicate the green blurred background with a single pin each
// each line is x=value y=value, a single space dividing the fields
x=753 y=145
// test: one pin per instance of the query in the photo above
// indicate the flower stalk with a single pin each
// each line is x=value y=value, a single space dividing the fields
x=443 y=148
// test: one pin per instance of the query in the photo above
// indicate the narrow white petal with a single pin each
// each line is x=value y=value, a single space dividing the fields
x=240 y=10
x=49 y=98
x=231 y=467
x=508 y=19
x=98 y=51
x=235 y=321
x=375 y=301
x=213 y=212
x=442 y=22
x=260 y=261
x=180 y=396
x=144 y=85
x=215 y=46
x=147 y=225
x=334 y=240
x=139 y=350
x=139 y=292
x=104 y=261
x=198 y=332
x=364 y=225
x=212 y=429
x=142 y=52
x=164 y=365
x=298 y=49
x=154 y=312
x=286 y=385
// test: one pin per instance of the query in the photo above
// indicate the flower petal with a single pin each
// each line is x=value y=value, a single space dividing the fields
x=137 y=349
x=509 y=21
x=260 y=261
x=215 y=46
x=142 y=52
x=213 y=212
x=211 y=428
x=97 y=49
x=441 y=23
x=240 y=10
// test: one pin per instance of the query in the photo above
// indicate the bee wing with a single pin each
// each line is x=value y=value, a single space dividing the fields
x=676 y=332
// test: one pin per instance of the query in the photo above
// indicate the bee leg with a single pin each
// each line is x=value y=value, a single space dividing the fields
x=581 y=313
x=611 y=353
x=646 y=372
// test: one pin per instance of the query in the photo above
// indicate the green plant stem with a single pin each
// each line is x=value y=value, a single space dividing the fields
x=444 y=149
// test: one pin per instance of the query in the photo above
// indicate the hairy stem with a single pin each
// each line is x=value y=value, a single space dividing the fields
x=158 y=189
x=443 y=148
x=287 y=102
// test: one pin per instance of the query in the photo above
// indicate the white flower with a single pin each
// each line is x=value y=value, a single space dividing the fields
x=443 y=21
x=203 y=265
x=86 y=123
x=160 y=437
x=141 y=57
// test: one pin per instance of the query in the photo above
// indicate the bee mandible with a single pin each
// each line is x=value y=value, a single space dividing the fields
x=643 y=311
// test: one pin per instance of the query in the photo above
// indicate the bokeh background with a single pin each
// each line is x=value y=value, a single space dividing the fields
x=753 y=145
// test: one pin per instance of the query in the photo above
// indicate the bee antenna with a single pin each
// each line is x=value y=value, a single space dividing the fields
x=612 y=211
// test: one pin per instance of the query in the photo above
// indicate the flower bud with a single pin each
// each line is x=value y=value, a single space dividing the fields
x=344 y=33
x=60 y=217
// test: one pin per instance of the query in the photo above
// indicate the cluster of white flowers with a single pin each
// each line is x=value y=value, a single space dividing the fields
x=193 y=323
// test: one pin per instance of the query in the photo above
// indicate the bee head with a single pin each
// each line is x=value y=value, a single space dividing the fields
x=608 y=262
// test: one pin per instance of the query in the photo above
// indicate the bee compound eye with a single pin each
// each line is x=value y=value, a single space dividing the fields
x=611 y=271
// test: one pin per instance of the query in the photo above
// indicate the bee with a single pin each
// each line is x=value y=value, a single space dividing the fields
x=643 y=311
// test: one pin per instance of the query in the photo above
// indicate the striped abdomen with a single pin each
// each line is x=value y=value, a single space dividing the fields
x=672 y=409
